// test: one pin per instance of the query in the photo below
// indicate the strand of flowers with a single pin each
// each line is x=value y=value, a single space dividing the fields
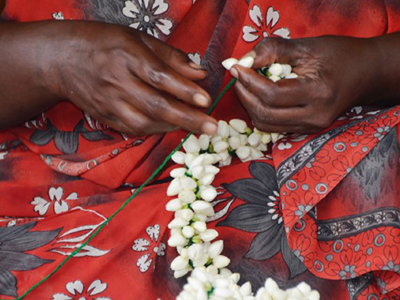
x=199 y=251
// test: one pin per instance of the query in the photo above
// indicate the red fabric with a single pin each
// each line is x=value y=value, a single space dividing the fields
x=63 y=173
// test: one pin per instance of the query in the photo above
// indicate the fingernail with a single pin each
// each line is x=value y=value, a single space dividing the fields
x=246 y=62
x=234 y=72
x=209 y=128
x=196 y=66
x=228 y=63
x=201 y=100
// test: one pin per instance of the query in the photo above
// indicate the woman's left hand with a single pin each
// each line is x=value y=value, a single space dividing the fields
x=335 y=74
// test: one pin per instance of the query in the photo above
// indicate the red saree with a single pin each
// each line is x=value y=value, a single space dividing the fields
x=320 y=208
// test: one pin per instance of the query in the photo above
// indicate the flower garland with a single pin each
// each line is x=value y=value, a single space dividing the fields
x=199 y=253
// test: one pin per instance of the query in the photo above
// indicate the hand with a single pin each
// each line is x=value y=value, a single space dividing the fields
x=335 y=74
x=129 y=80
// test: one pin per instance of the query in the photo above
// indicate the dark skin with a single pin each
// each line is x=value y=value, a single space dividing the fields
x=131 y=82
x=335 y=74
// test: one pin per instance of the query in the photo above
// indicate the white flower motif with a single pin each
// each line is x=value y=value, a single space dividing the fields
x=76 y=291
x=56 y=197
x=151 y=246
x=3 y=154
x=147 y=16
x=58 y=15
x=263 y=28
x=195 y=57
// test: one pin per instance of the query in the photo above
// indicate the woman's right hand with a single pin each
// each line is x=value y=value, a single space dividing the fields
x=126 y=79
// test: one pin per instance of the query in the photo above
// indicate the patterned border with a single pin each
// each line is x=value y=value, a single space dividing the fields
x=302 y=156
x=357 y=285
x=330 y=230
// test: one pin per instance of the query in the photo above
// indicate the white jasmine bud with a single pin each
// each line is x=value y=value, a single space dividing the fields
x=266 y=138
x=274 y=137
x=188 y=231
x=243 y=139
x=276 y=69
x=181 y=273
x=262 y=147
x=232 y=131
x=179 y=263
x=286 y=70
x=201 y=206
x=207 y=179
x=174 y=205
x=221 y=261
x=221 y=146
x=304 y=288
x=179 y=157
x=235 y=277
x=179 y=172
x=176 y=240
x=229 y=63
x=189 y=158
x=174 y=187
x=198 y=172
x=210 y=159
x=221 y=283
x=239 y=125
x=234 y=142
x=225 y=162
x=279 y=295
x=254 y=139
x=186 y=214
x=274 y=78
x=262 y=294
x=201 y=261
x=224 y=293
x=313 y=295
x=212 y=270
x=188 y=183
x=223 y=129
x=200 y=217
x=187 y=196
x=177 y=223
x=204 y=141
x=197 y=161
x=295 y=293
x=208 y=193
x=291 y=76
x=208 y=235
x=224 y=155
x=191 y=145
x=200 y=226
x=215 y=139
x=271 y=285
x=243 y=152
x=195 y=251
x=211 y=169
x=245 y=289
x=215 y=249
x=183 y=252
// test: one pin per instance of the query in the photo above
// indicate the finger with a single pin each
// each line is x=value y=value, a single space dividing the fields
x=138 y=123
x=161 y=106
x=283 y=93
x=264 y=115
x=272 y=50
x=175 y=58
x=159 y=75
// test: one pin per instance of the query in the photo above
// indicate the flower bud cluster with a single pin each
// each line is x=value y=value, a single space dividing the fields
x=200 y=254
x=277 y=72
x=203 y=285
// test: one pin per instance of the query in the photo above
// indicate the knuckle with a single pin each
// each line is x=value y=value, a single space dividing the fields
x=157 y=76
x=157 y=106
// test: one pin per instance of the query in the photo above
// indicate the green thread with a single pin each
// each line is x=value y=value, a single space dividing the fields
x=152 y=176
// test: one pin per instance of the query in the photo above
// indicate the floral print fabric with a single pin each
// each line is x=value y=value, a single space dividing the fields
x=319 y=208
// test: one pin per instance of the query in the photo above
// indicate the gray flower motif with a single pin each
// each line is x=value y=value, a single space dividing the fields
x=14 y=242
x=391 y=266
x=147 y=16
x=262 y=214
x=302 y=210
x=348 y=272
x=381 y=132
x=382 y=284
